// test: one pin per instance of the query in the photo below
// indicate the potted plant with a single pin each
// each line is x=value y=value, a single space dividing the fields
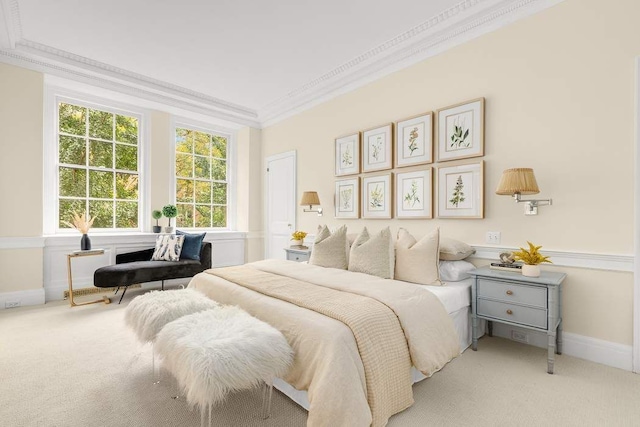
x=297 y=238
x=170 y=211
x=156 y=215
x=531 y=259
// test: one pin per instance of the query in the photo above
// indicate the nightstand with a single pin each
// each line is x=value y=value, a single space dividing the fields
x=298 y=254
x=513 y=299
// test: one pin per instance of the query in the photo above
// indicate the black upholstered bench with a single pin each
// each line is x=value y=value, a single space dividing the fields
x=136 y=267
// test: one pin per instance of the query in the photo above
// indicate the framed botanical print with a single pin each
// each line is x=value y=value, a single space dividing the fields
x=414 y=194
x=377 y=197
x=461 y=131
x=377 y=148
x=414 y=140
x=347 y=154
x=461 y=191
x=347 y=198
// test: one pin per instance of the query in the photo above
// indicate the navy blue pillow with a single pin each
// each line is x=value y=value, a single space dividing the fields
x=191 y=246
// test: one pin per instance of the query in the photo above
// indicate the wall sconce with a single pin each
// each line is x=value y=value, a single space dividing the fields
x=518 y=181
x=311 y=198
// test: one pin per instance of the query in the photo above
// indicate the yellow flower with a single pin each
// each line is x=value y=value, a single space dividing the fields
x=531 y=256
x=298 y=235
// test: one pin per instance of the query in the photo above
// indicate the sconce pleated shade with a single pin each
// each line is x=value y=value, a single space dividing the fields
x=517 y=180
x=309 y=198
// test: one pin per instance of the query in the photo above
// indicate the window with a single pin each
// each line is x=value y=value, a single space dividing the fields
x=98 y=166
x=201 y=178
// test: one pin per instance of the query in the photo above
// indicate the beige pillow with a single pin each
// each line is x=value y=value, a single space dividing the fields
x=454 y=250
x=330 y=250
x=417 y=262
x=373 y=255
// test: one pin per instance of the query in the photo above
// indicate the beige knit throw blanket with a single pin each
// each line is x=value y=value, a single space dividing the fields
x=376 y=328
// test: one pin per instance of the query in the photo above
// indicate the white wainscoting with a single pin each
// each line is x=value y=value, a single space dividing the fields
x=227 y=249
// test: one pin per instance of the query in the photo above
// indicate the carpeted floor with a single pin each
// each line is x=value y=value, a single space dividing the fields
x=81 y=367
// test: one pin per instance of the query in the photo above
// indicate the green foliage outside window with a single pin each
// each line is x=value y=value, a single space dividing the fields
x=201 y=179
x=98 y=166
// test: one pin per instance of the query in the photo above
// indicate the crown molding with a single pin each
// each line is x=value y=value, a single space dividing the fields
x=63 y=64
x=459 y=24
x=10 y=27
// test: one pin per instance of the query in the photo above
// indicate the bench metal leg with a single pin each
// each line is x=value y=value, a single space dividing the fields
x=117 y=289
x=267 y=392
x=163 y=285
x=123 y=292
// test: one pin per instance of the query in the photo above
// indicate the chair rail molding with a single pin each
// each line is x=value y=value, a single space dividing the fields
x=611 y=262
x=21 y=242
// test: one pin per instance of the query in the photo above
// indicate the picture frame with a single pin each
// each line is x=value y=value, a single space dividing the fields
x=414 y=140
x=347 y=154
x=461 y=130
x=377 y=148
x=414 y=194
x=461 y=191
x=347 y=198
x=377 y=196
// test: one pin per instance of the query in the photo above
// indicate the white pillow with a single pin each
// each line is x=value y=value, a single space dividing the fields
x=168 y=248
x=417 y=262
x=453 y=250
x=454 y=271
x=373 y=255
x=330 y=250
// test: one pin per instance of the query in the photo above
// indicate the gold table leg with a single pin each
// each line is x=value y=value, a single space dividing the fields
x=72 y=303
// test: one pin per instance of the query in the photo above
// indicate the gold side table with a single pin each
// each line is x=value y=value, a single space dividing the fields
x=78 y=254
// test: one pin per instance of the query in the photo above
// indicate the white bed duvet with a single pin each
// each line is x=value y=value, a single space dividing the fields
x=327 y=368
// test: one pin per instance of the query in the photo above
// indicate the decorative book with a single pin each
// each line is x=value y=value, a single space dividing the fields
x=514 y=267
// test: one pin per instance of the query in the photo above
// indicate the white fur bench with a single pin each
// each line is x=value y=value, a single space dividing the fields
x=147 y=314
x=215 y=352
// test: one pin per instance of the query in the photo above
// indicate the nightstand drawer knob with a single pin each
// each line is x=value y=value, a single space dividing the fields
x=509 y=311
x=509 y=292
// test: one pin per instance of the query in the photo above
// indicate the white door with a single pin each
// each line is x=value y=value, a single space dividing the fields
x=281 y=203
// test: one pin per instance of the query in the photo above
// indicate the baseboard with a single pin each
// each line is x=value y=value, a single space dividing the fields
x=21 y=298
x=587 y=348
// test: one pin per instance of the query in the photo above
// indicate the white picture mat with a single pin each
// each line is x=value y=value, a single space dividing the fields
x=347 y=207
x=408 y=207
x=377 y=197
x=347 y=148
x=424 y=144
x=472 y=190
x=377 y=149
x=472 y=116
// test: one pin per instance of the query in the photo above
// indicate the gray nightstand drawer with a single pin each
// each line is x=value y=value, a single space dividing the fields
x=513 y=313
x=512 y=292
x=297 y=255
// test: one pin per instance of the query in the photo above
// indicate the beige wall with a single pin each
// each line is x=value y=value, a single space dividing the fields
x=249 y=191
x=559 y=89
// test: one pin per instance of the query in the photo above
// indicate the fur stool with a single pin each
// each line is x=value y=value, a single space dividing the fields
x=214 y=352
x=147 y=314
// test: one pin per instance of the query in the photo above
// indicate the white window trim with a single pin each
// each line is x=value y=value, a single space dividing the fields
x=52 y=94
x=231 y=135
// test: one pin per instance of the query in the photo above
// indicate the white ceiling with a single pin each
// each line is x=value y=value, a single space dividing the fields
x=250 y=55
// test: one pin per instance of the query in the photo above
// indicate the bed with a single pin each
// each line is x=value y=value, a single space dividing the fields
x=331 y=377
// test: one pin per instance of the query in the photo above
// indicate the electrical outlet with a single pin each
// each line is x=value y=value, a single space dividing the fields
x=11 y=304
x=519 y=336
x=493 y=237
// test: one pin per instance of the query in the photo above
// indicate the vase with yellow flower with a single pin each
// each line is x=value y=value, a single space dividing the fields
x=82 y=223
x=297 y=237
x=531 y=259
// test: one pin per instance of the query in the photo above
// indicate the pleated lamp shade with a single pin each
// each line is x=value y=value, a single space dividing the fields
x=309 y=198
x=517 y=180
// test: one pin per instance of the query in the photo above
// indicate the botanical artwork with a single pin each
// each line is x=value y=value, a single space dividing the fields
x=459 y=196
x=376 y=201
x=347 y=155
x=461 y=191
x=413 y=194
x=461 y=131
x=414 y=143
x=377 y=149
x=346 y=202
